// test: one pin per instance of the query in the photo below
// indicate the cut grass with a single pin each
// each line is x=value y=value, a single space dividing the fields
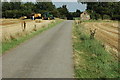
x=90 y=58
x=13 y=43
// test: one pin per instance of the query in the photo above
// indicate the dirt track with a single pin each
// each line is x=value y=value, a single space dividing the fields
x=106 y=31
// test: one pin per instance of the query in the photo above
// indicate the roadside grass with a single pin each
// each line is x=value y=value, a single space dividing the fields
x=101 y=21
x=14 y=42
x=91 y=60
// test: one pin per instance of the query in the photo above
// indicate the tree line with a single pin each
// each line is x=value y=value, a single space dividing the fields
x=18 y=9
x=97 y=10
x=103 y=10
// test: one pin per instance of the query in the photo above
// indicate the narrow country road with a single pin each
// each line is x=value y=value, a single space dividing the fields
x=47 y=55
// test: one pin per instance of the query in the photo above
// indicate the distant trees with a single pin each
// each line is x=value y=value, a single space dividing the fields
x=63 y=11
x=14 y=9
x=77 y=13
x=44 y=6
x=18 y=9
x=97 y=10
x=104 y=10
x=11 y=9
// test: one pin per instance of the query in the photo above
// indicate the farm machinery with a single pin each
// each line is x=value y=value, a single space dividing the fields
x=47 y=16
x=44 y=16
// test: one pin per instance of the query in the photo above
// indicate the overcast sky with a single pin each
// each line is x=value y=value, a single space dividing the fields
x=71 y=6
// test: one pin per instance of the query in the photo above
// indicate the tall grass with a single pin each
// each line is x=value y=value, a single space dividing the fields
x=90 y=58
x=14 y=42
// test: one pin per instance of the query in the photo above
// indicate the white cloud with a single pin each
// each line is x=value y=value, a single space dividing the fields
x=64 y=0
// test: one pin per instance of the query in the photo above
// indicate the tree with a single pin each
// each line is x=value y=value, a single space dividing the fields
x=15 y=4
x=77 y=13
x=18 y=9
x=103 y=10
x=5 y=6
x=48 y=6
x=55 y=13
x=63 y=11
x=28 y=6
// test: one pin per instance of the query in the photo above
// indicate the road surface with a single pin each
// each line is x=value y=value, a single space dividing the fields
x=47 y=55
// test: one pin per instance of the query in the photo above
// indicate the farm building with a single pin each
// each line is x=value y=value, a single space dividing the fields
x=85 y=16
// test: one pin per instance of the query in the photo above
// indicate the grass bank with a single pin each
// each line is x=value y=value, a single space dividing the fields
x=91 y=60
x=14 y=42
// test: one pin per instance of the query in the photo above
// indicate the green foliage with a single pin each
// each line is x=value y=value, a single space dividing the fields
x=106 y=17
x=10 y=6
x=16 y=13
x=93 y=61
x=56 y=13
x=77 y=13
x=63 y=11
x=115 y=17
x=18 y=9
x=105 y=10
x=28 y=6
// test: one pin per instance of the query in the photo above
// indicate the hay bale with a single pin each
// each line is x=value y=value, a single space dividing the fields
x=24 y=17
x=38 y=20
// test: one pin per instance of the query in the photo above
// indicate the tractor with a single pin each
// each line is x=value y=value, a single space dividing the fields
x=47 y=16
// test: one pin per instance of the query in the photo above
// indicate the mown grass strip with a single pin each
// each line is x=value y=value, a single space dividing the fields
x=90 y=58
x=13 y=43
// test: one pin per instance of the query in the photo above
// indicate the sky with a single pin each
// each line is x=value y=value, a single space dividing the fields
x=71 y=6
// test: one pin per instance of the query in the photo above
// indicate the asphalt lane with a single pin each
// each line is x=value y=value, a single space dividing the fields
x=47 y=55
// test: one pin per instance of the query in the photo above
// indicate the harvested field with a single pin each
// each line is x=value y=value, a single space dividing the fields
x=10 y=27
x=91 y=59
x=12 y=21
x=107 y=32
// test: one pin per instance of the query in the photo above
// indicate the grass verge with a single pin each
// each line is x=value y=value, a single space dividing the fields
x=14 y=42
x=112 y=21
x=91 y=60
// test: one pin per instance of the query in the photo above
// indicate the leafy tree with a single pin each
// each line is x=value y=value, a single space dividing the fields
x=103 y=10
x=18 y=9
x=15 y=5
x=63 y=11
x=28 y=6
x=77 y=13
x=55 y=13
x=45 y=6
